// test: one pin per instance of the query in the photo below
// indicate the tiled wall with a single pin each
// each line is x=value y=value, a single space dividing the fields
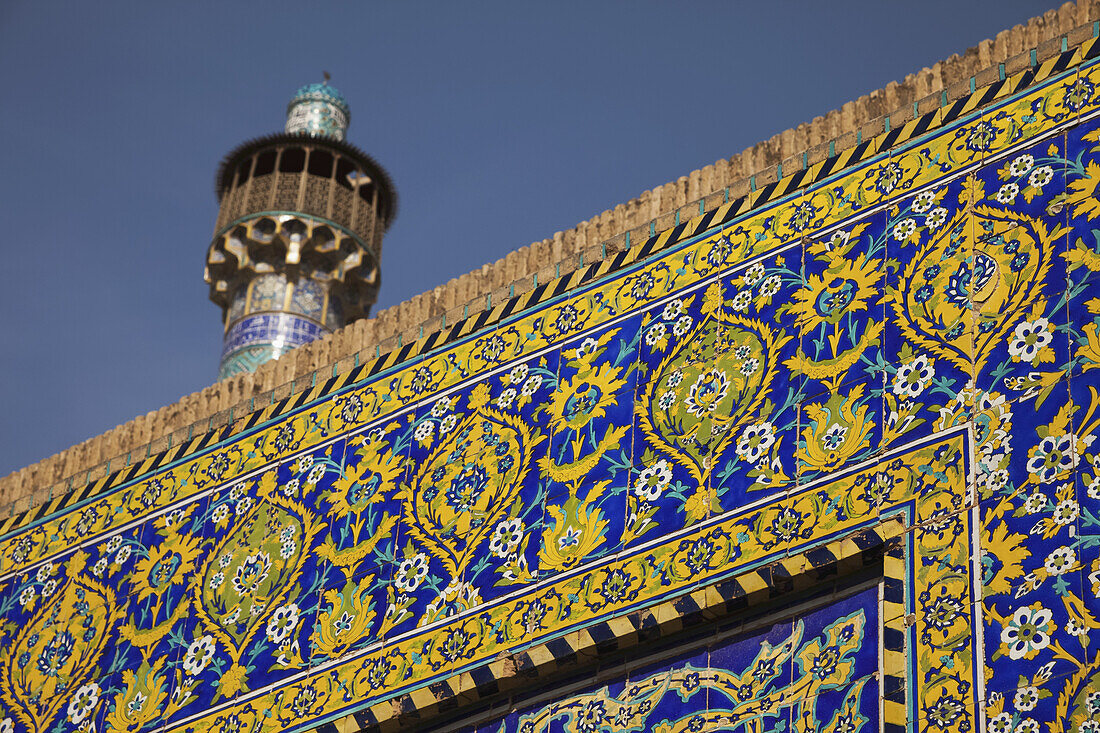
x=898 y=356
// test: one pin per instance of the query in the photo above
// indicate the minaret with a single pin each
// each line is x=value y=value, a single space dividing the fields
x=298 y=241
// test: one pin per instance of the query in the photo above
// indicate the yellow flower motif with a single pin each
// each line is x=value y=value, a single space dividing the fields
x=577 y=469
x=837 y=431
x=1009 y=552
x=712 y=299
x=479 y=397
x=1090 y=350
x=584 y=397
x=233 y=681
x=268 y=484
x=826 y=369
x=846 y=287
x=577 y=530
x=170 y=563
x=367 y=482
x=1081 y=194
x=701 y=503
x=349 y=559
x=141 y=701
x=973 y=191
x=345 y=617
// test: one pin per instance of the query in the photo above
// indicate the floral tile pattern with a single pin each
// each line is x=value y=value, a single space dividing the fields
x=912 y=342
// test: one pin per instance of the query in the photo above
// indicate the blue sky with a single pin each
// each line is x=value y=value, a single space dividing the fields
x=500 y=123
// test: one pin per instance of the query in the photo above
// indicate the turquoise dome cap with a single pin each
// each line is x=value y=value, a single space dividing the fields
x=320 y=92
x=318 y=110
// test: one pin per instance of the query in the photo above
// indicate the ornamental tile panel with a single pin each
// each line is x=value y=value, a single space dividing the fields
x=827 y=464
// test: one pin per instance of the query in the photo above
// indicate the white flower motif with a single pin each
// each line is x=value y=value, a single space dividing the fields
x=1029 y=338
x=518 y=374
x=936 y=217
x=447 y=424
x=1026 y=698
x=122 y=555
x=1028 y=631
x=672 y=310
x=770 y=286
x=587 y=347
x=315 y=475
x=441 y=406
x=653 y=480
x=749 y=367
x=1093 y=489
x=49 y=587
x=114 y=543
x=667 y=400
x=683 y=323
x=1061 y=561
x=655 y=333
x=100 y=566
x=44 y=572
x=1000 y=723
x=904 y=229
x=1053 y=456
x=506 y=537
x=1007 y=193
x=996 y=480
x=913 y=377
x=923 y=201
x=531 y=385
x=243 y=506
x=675 y=378
x=199 y=654
x=1066 y=512
x=83 y=703
x=1021 y=165
x=411 y=573
x=216 y=580
x=1041 y=176
x=424 y=430
x=282 y=623
x=741 y=301
x=755 y=442
x=506 y=398
x=1035 y=503
x=27 y=595
x=752 y=275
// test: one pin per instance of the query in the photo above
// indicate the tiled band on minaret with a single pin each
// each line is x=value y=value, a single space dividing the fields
x=298 y=242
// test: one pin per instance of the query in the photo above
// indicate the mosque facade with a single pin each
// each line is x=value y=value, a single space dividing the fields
x=819 y=457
